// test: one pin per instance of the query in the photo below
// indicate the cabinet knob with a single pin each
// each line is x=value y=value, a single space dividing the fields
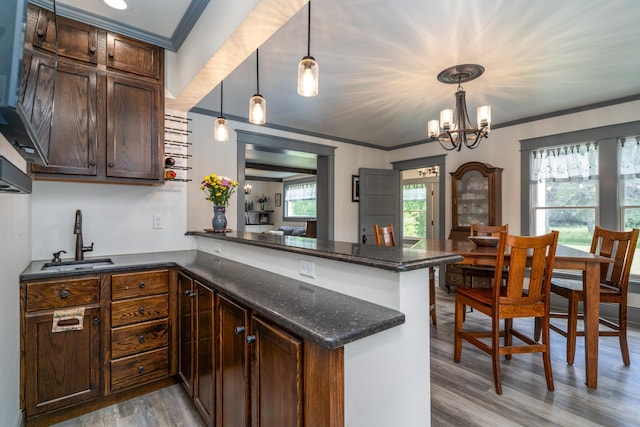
x=110 y=54
x=92 y=50
x=64 y=294
x=192 y=294
x=141 y=310
x=96 y=320
x=141 y=285
x=141 y=369
x=251 y=339
x=40 y=33
x=92 y=163
x=141 y=339
x=238 y=330
x=110 y=164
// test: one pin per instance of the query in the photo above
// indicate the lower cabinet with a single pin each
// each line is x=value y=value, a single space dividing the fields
x=264 y=376
x=60 y=343
x=89 y=336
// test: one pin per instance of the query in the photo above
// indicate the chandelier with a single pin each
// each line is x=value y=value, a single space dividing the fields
x=454 y=128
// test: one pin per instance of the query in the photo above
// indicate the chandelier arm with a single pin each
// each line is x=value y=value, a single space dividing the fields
x=453 y=144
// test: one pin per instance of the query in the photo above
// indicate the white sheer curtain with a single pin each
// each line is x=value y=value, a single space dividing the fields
x=565 y=163
x=306 y=191
x=630 y=157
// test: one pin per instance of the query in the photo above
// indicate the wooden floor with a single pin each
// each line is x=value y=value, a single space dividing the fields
x=462 y=394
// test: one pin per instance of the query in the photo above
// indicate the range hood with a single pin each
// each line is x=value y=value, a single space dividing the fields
x=12 y=179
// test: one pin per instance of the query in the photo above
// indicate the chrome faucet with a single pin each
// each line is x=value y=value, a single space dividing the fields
x=77 y=230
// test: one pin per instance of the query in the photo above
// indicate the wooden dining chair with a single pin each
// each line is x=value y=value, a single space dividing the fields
x=510 y=302
x=384 y=235
x=471 y=271
x=614 y=283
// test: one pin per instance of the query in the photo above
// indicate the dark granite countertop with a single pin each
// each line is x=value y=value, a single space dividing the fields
x=387 y=258
x=327 y=318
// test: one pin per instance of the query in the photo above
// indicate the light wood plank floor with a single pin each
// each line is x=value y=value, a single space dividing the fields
x=462 y=394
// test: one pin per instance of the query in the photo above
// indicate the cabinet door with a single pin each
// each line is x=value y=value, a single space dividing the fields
x=133 y=56
x=186 y=327
x=63 y=367
x=232 y=397
x=74 y=134
x=134 y=145
x=75 y=39
x=276 y=379
x=205 y=388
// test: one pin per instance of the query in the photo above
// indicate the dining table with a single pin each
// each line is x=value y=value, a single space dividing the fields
x=567 y=258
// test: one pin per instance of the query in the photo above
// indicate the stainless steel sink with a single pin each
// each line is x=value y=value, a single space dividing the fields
x=87 y=264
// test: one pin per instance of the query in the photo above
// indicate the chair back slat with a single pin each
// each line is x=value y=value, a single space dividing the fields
x=487 y=230
x=384 y=235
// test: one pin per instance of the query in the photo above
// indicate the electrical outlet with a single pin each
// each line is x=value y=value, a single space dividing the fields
x=216 y=248
x=157 y=221
x=308 y=269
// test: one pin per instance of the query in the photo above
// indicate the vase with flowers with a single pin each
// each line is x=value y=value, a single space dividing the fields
x=263 y=199
x=218 y=190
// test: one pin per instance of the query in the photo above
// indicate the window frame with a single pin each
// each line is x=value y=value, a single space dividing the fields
x=298 y=181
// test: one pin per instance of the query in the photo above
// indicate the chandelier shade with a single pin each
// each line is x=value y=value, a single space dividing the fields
x=308 y=67
x=454 y=129
x=257 y=104
x=221 y=125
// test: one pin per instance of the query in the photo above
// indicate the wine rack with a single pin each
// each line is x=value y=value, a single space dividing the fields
x=176 y=158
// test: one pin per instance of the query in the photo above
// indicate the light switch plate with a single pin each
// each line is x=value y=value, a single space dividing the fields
x=308 y=268
x=158 y=221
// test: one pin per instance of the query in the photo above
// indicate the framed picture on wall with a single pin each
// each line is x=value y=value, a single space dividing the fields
x=355 y=188
x=277 y=200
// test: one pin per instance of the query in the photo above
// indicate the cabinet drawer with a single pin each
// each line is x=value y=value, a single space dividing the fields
x=138 y=310
x=63 y=293
x=129 y=285
x=139 y=369
x=133 y=56
x=146 y=336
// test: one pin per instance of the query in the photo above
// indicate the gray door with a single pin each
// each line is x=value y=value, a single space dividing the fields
x=379 y=203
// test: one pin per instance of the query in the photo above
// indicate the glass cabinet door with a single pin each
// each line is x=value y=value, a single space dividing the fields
x=473 y=198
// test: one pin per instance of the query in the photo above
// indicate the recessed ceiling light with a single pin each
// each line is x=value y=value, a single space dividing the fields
x=117 y=4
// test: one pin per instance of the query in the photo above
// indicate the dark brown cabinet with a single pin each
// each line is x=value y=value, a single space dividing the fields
x=61 y=333
x=476 y=190
x=140 y=333
x=108 y=104
x=276 y=380
x=232 y=367
x=186 y=330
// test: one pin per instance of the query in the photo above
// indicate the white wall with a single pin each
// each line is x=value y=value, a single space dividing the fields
x=15 y=255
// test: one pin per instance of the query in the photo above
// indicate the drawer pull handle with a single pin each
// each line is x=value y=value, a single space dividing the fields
x=141 y=310
x=141 y=339
x=141 y=285
x=251 y=339
x=64 y=294
x=238 y=330
x=141 y=369
x=96 y=320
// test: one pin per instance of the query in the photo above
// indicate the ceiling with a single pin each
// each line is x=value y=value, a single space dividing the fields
x=379 y=61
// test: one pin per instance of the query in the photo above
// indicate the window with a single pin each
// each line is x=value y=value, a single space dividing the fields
x=605 y=194
x=564 y=192
x=300 y=199
x=414 y=210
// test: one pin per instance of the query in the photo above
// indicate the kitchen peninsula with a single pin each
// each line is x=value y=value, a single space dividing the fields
x=386 y=375
x=357 y=321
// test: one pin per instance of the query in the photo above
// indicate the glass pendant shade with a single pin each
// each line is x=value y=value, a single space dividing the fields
x=308 y=76
x=433 y=128
x=221 y=129
x=484 y=117
x=446 y=119
x=257 y=110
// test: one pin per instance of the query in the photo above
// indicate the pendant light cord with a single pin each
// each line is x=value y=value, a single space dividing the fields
x=221 y=96
x=257 y=73
x=309 y=31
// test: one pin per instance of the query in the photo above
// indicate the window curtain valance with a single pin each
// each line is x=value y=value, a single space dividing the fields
x=306 y=191
x=630 y=157
x=414 y=191
x=566 y=163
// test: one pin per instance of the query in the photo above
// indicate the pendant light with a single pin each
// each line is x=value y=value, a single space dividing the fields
x=308 y=68
x=221 y=126
x=257 y=104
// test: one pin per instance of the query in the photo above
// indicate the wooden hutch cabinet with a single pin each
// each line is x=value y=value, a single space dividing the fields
x=476 y=190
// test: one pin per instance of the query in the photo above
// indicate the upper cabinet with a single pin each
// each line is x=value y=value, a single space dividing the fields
x=108 y=102
x=476 y=190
